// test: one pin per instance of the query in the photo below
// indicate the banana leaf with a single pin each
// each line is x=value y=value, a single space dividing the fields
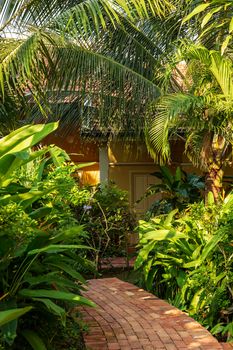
x=54 y=294
x=34 y=340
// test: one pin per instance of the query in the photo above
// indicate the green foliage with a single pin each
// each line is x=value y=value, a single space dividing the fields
x=41 y=246
x=61 y=32
x=177 y=191
x=208 y=99
x=207 y=15
x=187 y=259
x=107 y=219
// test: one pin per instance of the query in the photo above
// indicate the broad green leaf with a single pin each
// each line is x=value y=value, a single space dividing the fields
x=10 y=162
x=47 y=278
x=40 y=213
x=197 y=10
x=195 y=302
x=54 y=278
x=184 y=246
x=25 y=199
x=34 y=340
x=170 y=258
x=66 y=268
x=54 y=294
x=196 y=252
x=8 y=330
x=58 y=156
x=145 y=226
x=191 y=264
x=25 y=137
x=228 y=329
x=170 y=217
x=150 y=277
x=181 y=278
x=56 y=248
x=9 y=315
x=161 y=235
x=68 y=233
x=211 y=245
x=143 y=254
x=217 y=329
x=54 y=308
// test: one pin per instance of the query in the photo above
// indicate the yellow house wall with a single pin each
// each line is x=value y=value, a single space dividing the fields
x=80 y=152
x=122 y=175
x=125 y=159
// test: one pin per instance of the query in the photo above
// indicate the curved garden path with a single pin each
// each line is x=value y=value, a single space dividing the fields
x=128 y=317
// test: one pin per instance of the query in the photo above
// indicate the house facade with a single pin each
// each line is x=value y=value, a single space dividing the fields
x=126 y=163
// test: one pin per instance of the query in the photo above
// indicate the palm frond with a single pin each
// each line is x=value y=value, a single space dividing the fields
x=92 y=50
x=173 y=114
x=221 y=68
x=215 y=22
x=79 y=14
x=196 y=147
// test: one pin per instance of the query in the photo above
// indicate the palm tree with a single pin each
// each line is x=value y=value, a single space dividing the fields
x=201 y=115
x=94 y=60
x=215 y=21
x=101 y=62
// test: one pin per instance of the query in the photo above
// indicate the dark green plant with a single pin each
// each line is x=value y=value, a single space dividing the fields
x=41 y=249
x=177 y=191
x=41 y=272
x=188 y=261
x=108 y=220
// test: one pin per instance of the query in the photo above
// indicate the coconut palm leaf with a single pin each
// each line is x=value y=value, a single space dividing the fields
x=81 y=14
x=111 y=67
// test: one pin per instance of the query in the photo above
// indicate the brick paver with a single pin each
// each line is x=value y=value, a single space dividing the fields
x=127 y=317
x=116 y=263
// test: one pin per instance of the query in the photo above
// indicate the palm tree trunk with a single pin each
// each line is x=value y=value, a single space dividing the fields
x=214 y=174
x=213 y=182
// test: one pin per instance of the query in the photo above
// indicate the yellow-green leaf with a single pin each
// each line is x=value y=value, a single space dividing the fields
x=231 y=25
x=209 y=15
x=225 y=44
x=198 y=9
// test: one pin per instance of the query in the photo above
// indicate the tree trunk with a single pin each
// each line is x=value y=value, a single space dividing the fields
x=213 y=182
x=215 y=161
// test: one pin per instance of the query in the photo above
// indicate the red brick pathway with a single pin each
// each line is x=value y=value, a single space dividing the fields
x=127 y=318
x=116 y=263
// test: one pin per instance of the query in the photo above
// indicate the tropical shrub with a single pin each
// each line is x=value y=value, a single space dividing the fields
x=107 y=218
x=186 y=258
x=103 y=210
x=177 y=190
x=40 y=274
x=39 y=245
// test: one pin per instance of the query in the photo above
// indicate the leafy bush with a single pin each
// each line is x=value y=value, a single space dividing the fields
x=178 y=191
x=107 y=219
x=103 y=210
x=45 y=221
x=186 y=258
x=40 y=244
